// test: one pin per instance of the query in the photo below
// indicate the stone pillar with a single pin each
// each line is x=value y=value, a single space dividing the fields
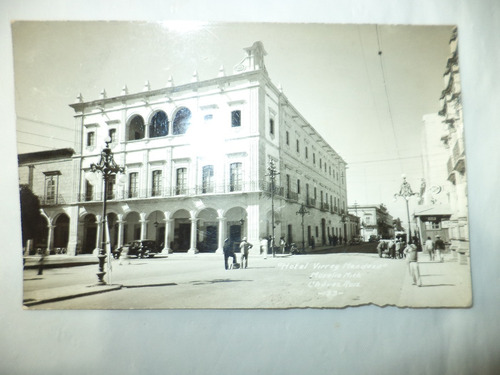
x=166 y=249
x=120 y=231
x=98 y=237
x=73 y=230
x=221 y=235
x=192 y=248
x=50 y=238
x=143 y=222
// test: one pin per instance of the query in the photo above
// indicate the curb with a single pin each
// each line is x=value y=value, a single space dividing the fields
x=98 y=289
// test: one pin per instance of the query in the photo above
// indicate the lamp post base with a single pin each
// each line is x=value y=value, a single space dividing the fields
x=101 y=273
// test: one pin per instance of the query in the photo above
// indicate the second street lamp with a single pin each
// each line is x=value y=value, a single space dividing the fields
x=302 y=211
x=272 y=175
x=108 y=168
x=406 y=193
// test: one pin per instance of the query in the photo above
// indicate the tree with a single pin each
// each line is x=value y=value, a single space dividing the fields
x=30 y=214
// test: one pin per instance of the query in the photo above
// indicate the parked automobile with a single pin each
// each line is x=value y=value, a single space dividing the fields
x=139 y=248
x=356 y=240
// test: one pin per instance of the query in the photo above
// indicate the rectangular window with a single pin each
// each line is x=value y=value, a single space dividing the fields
x=51 y=186
x=314 y=158
x=298 y=186
x=287 y=138
x=288 y=186
x=111 y=187
x=181 y=181
x=133 y=181
x=271 y=126
x=235 y=177
x=298 y=146
x=89 y=191
x=112 y=135
x=235 y=118
x=51 y=189
x=156 y=184
x=90 y=138
x=307 y=153
x=307 y=193
x=207 y=179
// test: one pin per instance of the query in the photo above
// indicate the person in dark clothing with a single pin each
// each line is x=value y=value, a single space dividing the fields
x=439 y=247
x=228 y=252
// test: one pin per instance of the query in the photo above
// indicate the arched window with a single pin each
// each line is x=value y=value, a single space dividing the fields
x=159 y=125
x=182 y=121
x=135 y=128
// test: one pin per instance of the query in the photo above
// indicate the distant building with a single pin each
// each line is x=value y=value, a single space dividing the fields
x=196 y=160
x=375 y=220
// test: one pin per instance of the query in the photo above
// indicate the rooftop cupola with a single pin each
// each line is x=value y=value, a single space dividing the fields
x=254 y=59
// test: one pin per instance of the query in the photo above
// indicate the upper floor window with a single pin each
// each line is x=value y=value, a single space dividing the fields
x=89 y=191
x=112 y=135
x=314 y=158
x=133 y=185
x=110 y=187
x=298 y=186
x=182 y=121
x=136 y=128
x=181 y=181
x=156 y=184
x=298 y=145
x=235 y=118
x=90 y=139
x=235 y=177
x=207 y=179
x=51 y=186
x=271 y=126
x=307 y=152
x=159 y=125
x=287 y=138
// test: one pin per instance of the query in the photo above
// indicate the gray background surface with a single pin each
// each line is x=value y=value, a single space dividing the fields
x=364 y=340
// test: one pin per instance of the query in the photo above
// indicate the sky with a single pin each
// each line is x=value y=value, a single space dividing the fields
x=364 y=88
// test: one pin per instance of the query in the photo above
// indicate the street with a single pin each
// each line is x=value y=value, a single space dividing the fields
x=318 y=280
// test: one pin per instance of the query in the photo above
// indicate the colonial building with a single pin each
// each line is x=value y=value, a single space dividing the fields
x=375 y=220
x=444 y=210
x=197 y=160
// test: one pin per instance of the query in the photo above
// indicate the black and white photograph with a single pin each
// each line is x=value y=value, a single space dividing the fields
x=195 y=165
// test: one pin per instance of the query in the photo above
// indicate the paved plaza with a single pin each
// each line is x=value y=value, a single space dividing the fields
x=184 y=281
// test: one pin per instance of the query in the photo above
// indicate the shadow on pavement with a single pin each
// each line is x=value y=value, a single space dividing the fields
x=148 y=285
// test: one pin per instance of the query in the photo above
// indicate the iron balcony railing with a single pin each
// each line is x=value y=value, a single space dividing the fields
x=179 y=191
x=52 y=200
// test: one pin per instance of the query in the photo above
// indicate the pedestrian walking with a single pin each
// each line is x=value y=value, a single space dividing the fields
x=439 y=247
x=429 y=247
x=264 y=245
x=412 y=260
x=244 y=247
x=228 y=252
x=282 y=245
x=41 y=261
x=124 y=257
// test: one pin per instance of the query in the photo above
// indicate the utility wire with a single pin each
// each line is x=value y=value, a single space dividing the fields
x=45 y=123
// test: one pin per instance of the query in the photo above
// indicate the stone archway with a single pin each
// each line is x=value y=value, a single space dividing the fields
x=132 y=227
x=208 y=230
x=89 y=234
x=182 y=231
x=156 y=228
x=61 y=233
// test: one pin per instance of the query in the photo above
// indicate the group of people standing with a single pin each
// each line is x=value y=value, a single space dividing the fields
x=435 y=248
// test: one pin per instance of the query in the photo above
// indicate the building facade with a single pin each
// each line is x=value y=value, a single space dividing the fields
x=453 y=140
x=197 y=160
x=375 y=220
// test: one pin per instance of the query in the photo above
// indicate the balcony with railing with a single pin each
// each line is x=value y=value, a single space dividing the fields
x=51 y=200
x=324 y=206
x=292 y=195
x=311 y=202
x=180 y=191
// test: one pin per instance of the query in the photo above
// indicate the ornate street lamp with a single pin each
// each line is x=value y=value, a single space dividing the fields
x=302 y=212
x=272 y=173
x=108 y=168
x=406 y=193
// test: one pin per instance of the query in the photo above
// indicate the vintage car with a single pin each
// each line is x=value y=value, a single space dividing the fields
x=356 y=240
x=139 y=248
